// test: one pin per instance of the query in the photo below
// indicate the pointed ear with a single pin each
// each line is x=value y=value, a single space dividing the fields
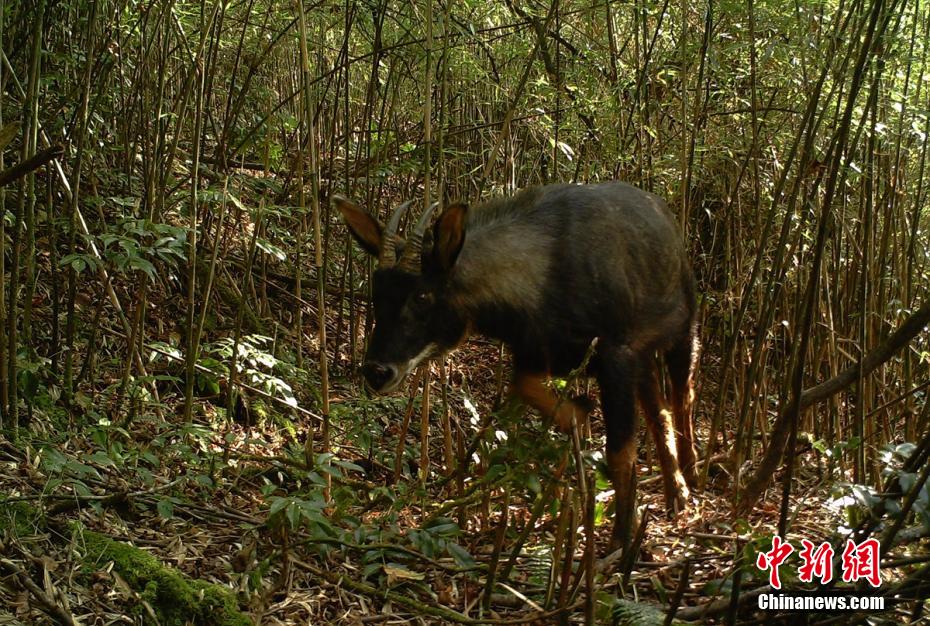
x=449 y=235
x=366 y=229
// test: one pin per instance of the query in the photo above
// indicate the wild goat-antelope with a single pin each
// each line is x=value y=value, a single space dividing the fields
x=548 y=271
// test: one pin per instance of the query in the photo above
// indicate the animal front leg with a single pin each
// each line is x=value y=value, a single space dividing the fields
x=563 y=411
x=616 y=376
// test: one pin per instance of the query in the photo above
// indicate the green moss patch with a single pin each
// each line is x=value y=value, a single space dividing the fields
x=175 y=598
x=628 y=613
x=19 y=519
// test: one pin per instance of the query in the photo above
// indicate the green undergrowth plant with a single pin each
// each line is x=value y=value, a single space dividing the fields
x=133 y=245
x=860 y=503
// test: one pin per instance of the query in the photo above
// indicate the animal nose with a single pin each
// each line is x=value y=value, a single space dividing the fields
x=378 y=375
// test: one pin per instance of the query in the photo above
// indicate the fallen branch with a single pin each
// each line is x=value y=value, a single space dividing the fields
x=760 y=480
x=37 y=160
x=49 y=606
x=447 y=614
x=391 y=547
x=717 y=607
x=909 y=329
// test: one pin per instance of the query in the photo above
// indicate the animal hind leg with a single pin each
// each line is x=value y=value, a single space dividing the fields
x=616 y=374
x=680 y=360
x=564 y=411
x=659 y=423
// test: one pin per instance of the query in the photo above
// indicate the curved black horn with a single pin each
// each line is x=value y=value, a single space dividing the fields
x=410 y=261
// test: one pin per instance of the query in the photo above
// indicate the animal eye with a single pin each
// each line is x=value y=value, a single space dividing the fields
x=424 y=297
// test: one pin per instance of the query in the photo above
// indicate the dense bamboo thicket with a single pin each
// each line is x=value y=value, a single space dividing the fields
x=184 y=313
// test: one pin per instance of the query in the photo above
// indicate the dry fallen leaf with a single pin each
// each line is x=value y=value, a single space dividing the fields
x=397 y=573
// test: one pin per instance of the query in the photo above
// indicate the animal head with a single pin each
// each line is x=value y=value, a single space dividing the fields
x=415 y=319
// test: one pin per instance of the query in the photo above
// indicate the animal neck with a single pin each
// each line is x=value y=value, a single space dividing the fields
x=500 y=278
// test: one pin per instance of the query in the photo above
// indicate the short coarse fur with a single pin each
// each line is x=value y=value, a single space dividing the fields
x=553 y=267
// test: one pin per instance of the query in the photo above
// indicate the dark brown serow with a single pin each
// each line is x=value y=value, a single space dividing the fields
x=548 y=271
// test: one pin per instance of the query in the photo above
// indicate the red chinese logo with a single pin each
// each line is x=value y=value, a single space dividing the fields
x=862 y=561
x=859 y=561
x=816 y=562
x=772 y=559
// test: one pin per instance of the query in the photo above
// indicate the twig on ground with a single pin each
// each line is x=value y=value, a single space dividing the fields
x=49 y=606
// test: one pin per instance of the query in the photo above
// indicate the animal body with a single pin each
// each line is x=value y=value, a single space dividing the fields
x=547 y=271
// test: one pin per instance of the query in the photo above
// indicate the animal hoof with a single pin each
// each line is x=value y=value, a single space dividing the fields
x=681 y=504
x=676 y=501
x=691 y=477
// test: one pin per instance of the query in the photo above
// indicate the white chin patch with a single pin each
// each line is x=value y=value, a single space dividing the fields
x=405 y=368
x=425 y=353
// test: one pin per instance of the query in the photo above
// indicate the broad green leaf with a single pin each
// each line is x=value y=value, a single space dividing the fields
x=165 y=508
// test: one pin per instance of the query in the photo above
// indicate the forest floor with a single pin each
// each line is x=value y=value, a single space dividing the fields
x=239 y=506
